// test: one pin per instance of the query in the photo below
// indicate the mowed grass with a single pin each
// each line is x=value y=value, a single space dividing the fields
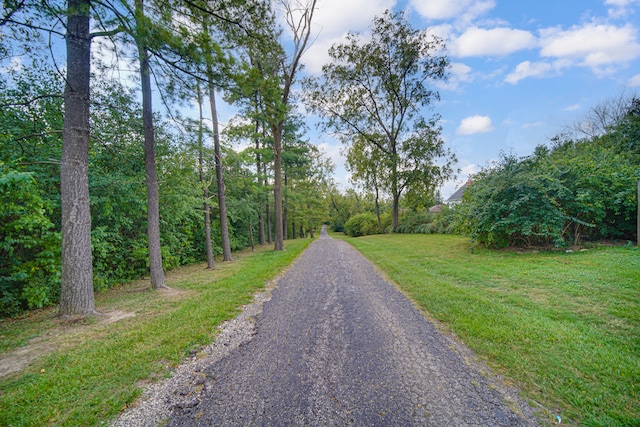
x=99 y=371
x=564 y=326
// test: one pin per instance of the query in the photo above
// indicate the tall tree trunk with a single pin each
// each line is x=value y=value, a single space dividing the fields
x=267 y=205
x=76 y=293
x=285 y=211
x=207 y=209
x=156 y=271
x=395 y=193
x=253 y=246
x=380 y=230
x=258 y=173
x=293 y=229
x=277 y=186
x=224 y=227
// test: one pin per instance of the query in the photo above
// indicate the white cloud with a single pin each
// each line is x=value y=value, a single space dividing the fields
x=496 y=41
x=620 y=8
x=634 y=81
x=529 y=69
x=462 y=10
x=574 y=107
x=330 y=27
x=353 y=15
x=530 y=125
x=597 y=46
x=460 y=73
x=475 y=124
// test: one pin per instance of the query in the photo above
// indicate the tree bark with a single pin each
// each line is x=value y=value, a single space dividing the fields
x=267 y=206
x=253 y=246
x=207 y=209
x=258 y=172
x=224 y=227
x=380 y=230
x=278 y=244
x=156 y=271
x=268 y=212
x=76 y=292
x=285 y=211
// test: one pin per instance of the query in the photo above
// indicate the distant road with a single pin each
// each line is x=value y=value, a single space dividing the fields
x=337 y=345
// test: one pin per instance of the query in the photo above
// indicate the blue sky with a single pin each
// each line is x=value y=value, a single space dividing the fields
x=521 y=70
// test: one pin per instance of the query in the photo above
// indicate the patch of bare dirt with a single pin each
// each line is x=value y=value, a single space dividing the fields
x=19 y=358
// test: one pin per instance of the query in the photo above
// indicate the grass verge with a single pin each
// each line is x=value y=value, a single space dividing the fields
x=564 y=326
x=99 y=371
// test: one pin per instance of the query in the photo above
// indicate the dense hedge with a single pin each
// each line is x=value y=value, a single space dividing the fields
x=575 y=191
x=362 y=224
x=425 y=222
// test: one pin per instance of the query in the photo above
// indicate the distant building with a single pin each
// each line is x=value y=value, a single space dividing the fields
x=457 y=196
x=435 y=209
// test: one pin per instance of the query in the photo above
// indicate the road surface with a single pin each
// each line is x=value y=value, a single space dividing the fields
x=337 y=345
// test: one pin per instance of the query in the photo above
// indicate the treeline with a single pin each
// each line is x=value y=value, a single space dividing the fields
x=581 y=187
x=190 y=167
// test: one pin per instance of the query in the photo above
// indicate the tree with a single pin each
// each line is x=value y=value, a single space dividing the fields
x=373 y=90
x=205 y=187
x=365 y=163
x=272 y=76
x=76 y=293
x=224 y=227
x=141 y=34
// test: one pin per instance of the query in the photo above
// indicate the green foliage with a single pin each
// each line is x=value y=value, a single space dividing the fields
x=362 y=224
x=373 y=94
x=29 y=247
x=425 y=222
x=575 y=191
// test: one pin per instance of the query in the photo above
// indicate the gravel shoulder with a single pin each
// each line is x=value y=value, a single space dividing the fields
x=332 y=344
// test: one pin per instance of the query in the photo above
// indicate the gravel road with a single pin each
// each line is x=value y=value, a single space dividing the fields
x=336 y=345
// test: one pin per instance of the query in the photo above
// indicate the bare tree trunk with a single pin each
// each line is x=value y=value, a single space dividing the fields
x=258 y=172
x=207 y=209
x=293 y=229
x=267 y=206
x=298 y=16
x=224 y=227
x=253 y=246
x=156 y=271
x=76 y=293
x=380 y=230
x=277 y=187
x=269 y=228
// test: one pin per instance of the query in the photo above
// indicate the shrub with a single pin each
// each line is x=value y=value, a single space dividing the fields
x=429 y=222
x=361 y=225
x=29 y=249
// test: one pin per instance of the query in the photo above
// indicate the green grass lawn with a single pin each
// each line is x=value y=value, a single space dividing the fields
x=98 y=371
x=564 y=326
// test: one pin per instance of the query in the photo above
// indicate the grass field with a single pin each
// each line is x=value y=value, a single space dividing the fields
x=98 y=367
x=564 y=326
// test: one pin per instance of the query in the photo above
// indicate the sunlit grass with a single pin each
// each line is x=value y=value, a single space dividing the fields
x=98 y=372
x=564 y=326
